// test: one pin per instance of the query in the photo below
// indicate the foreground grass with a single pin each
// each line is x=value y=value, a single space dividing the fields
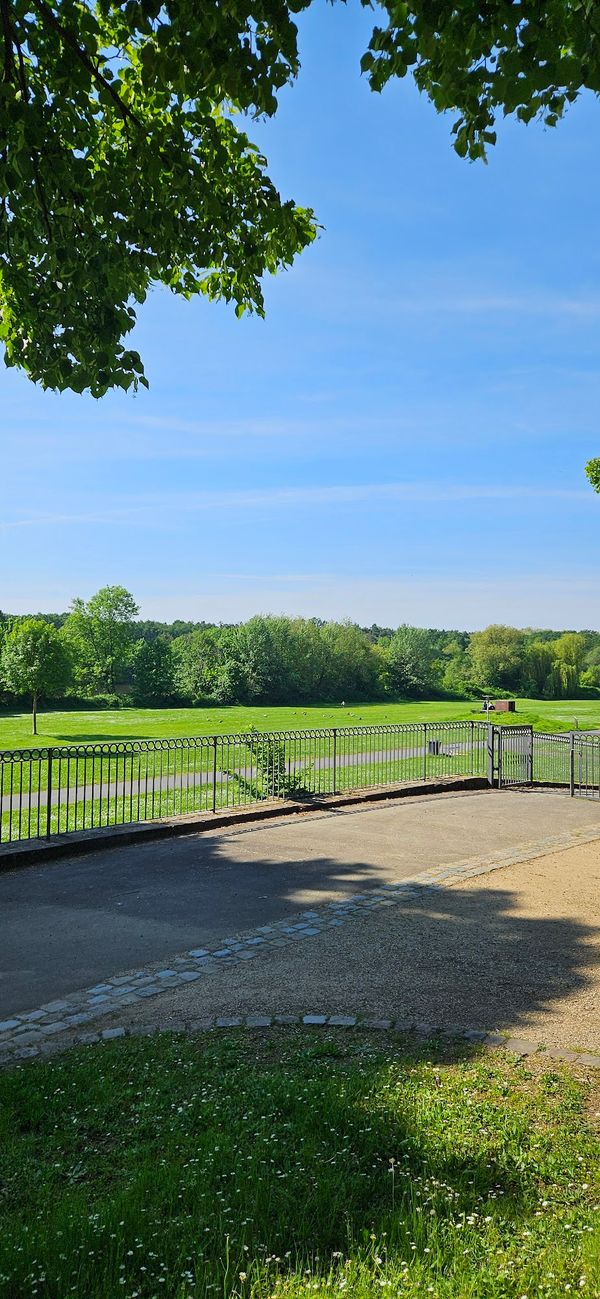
x=167 y=723
x=293 y=1166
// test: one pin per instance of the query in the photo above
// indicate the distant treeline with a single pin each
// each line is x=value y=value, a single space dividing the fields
x=107 y=655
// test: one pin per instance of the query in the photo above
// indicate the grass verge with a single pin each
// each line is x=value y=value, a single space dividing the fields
x=289 y=1165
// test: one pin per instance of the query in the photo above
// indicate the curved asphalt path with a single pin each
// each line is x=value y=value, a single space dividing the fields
x=71 y=923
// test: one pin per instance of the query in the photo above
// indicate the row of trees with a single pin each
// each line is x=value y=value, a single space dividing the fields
x=100 y=651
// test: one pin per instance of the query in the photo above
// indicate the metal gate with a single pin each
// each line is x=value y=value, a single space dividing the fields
x=585 y=766
x=568 y=759
x=513 y=746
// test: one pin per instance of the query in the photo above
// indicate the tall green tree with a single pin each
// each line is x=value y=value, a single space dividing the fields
x=497 y=657
x=568 y=658
x=571 y=648
x=202 y=667
x=352 y=664
x=153 y=671
x=591 y=674
x=538 y=662
x=123 y=164
x=457 y=669
x=261 y=647
x=35 y=662
x=411 y=655
x=100 y=632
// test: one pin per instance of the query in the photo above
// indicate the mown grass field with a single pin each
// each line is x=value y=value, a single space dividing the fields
x=154 y=723
x=296 y=1166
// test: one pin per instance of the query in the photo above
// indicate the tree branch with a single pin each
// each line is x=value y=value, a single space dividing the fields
x=9 y=60
x=39 y=188
x=68 y=39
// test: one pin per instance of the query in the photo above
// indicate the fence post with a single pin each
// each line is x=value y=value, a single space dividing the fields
x=424 y=750
x=214 y=774
x=490 y=748
x=49 y=797
x=472 y=754
x=572 y=766
x=334 y=759
x=530 y=763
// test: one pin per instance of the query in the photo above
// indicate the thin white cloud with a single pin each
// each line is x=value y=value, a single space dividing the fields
x=141 y=507
x=217 y=431
x=57 y=520
x=358 y=493
x=441 y=291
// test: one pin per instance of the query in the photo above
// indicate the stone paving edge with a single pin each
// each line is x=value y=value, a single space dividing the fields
x=404 y=1027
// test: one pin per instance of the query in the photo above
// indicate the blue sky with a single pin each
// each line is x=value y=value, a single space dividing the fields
x=403 y=438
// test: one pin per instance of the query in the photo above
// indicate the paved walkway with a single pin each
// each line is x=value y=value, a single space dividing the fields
x=419 y=909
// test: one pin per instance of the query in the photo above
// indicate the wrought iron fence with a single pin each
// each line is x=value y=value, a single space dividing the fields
x=58 y=790
x=514 y=754
x=585 y=766
x=569 y=759
x=551 y=758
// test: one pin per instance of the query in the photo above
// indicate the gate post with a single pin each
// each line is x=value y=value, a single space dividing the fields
x=572 y=766
x=530 y=758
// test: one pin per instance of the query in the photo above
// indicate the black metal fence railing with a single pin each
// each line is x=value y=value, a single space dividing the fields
x=551 y=758
x=568 y=759
x=58 y=790
x=585 y=772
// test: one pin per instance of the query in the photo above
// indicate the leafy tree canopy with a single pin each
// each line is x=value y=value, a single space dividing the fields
x=153 y=671
x=35 y=662
x=121 y=163
x=592 y=470
x=100 y=633
x=121 y=166
x=496 y=655
x=527 y=58
x=411 y=654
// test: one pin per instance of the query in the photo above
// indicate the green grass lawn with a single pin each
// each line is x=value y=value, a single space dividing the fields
x=153 y=723
x=244 y=1167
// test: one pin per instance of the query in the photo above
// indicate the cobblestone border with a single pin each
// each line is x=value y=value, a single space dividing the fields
x=405 y=1027
x=58 y=1024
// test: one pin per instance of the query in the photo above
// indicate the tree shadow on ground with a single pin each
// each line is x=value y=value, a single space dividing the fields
x=101 y=737
x=470 y=956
